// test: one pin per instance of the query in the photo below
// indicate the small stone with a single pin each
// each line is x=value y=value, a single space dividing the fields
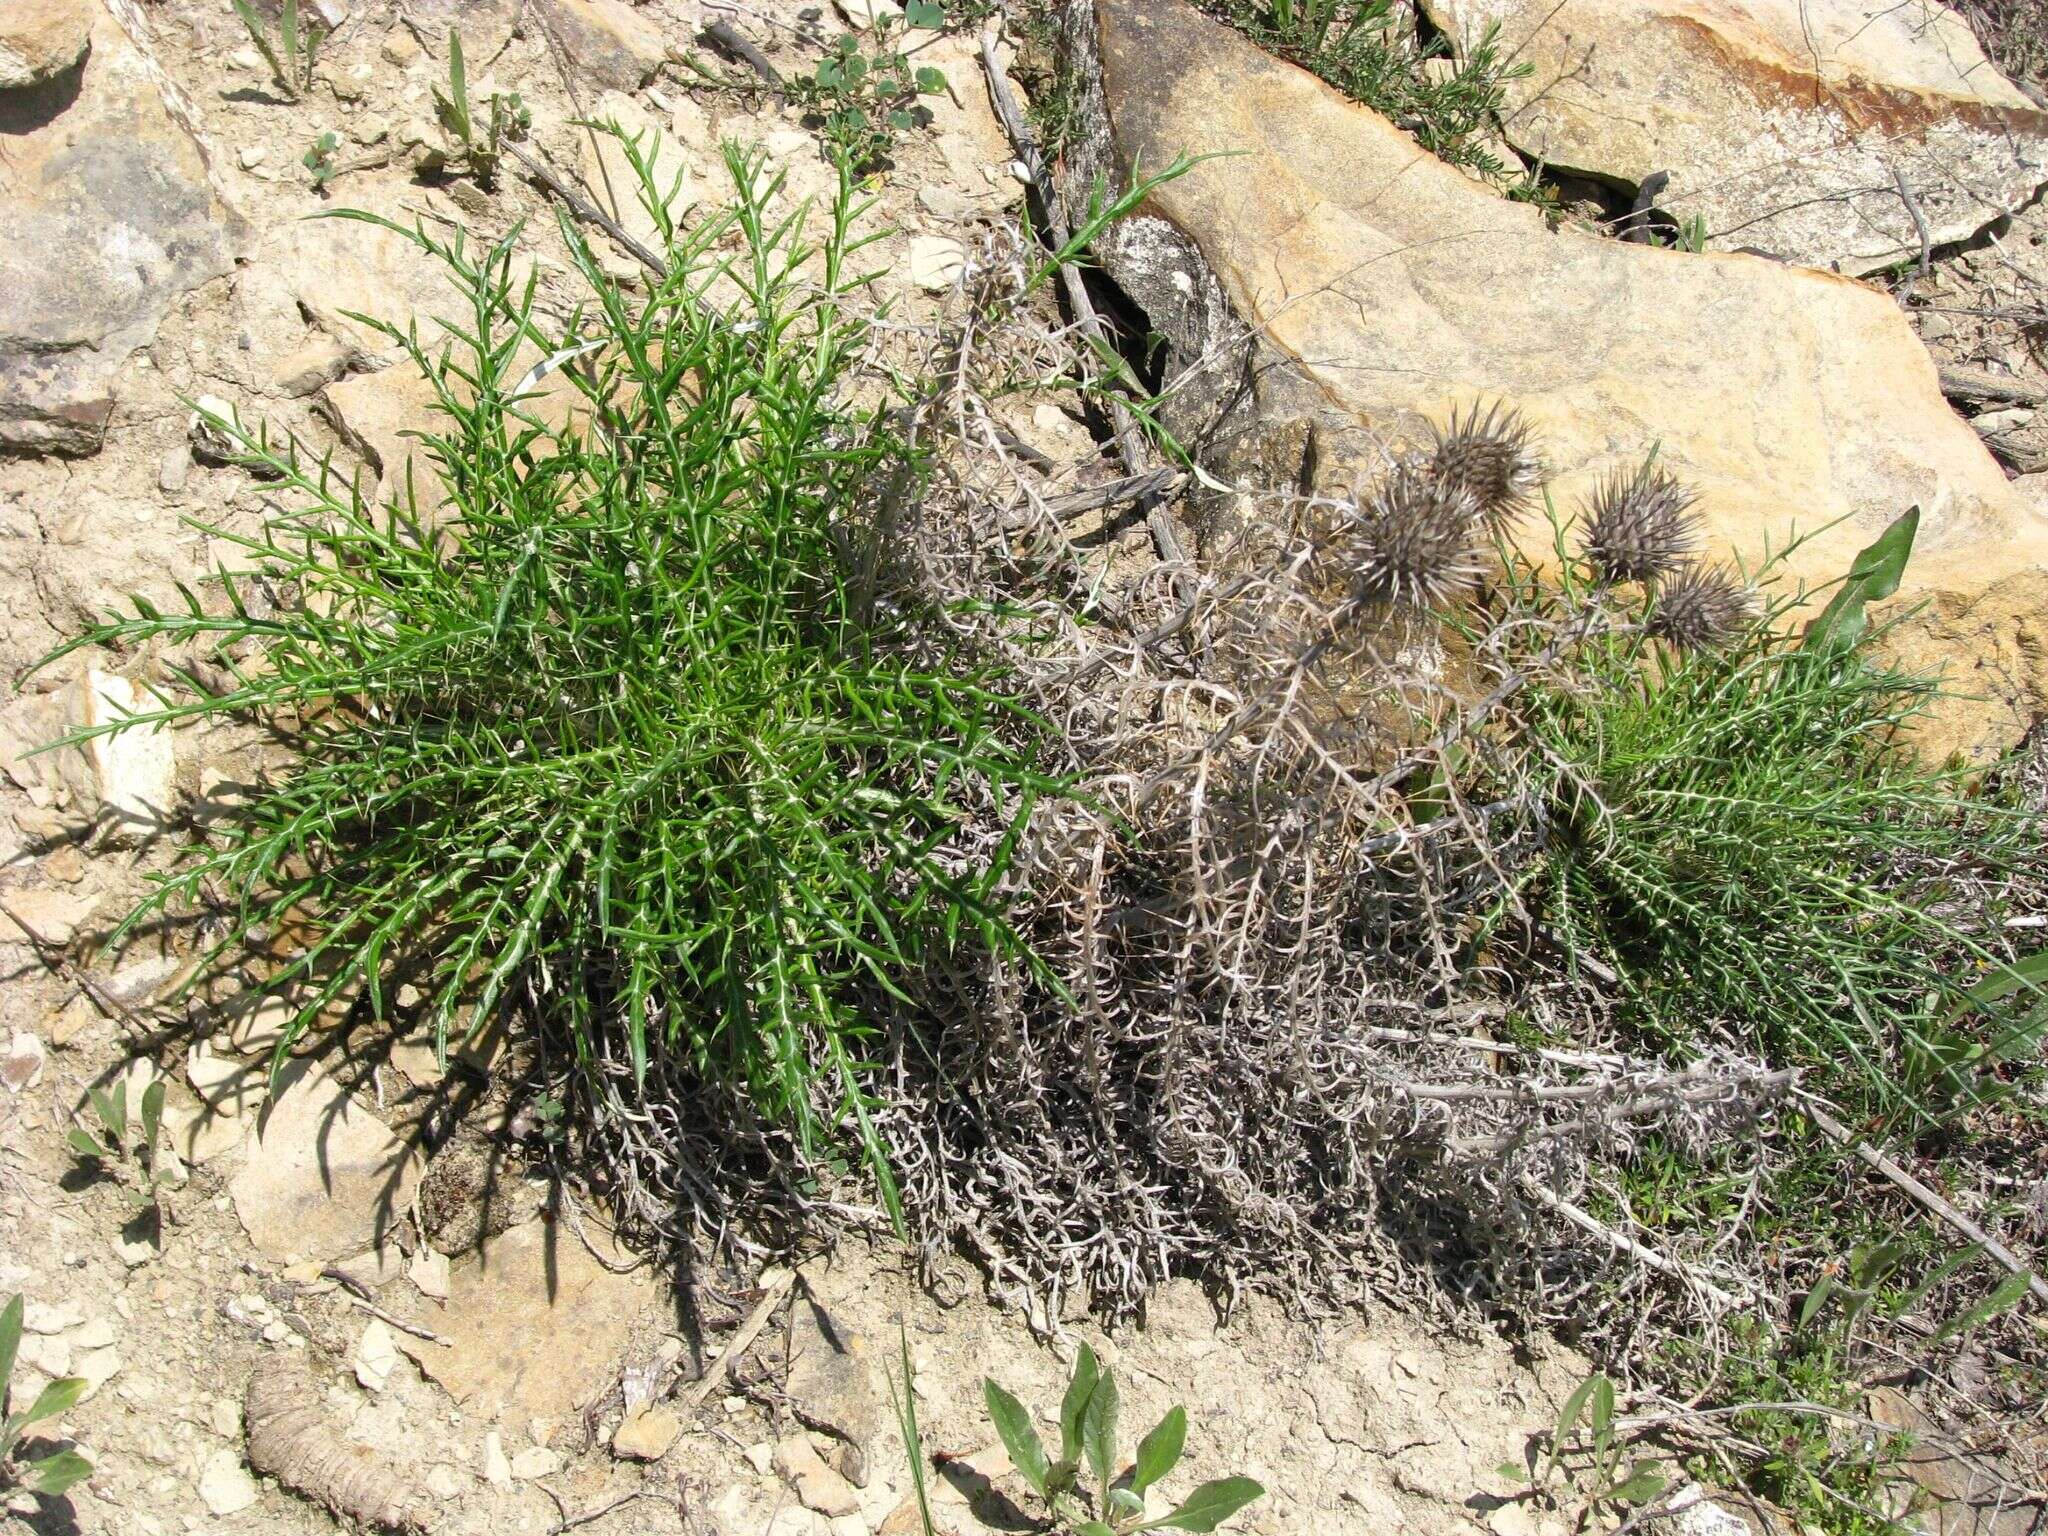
x=376 y=1356
x=536 y=1462
x=97 y=1367
x=47 y=1318
x=429 y=1272
x=762 y=1455
x=225 y=1415
x=21 y=1066
x=51 y=1356
x=444 y=1482
x=135 y=1252
x=41 y=39
x=321 y=360
x=135 y=769
x=97 y=1334
x=936 y=262
x=400 y=47
x=2011 y=419
x=225 y=1486
x=497 y=1470
x=174 y=469
x=816 y=1485
x=252 y=156
x=211 y=444
x=246 y=58
x=54 y=917
x=944 y=202
x=646 y=1434
x=275 y=1331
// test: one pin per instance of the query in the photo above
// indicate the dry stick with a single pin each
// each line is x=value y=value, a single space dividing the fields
x=584 y=209
x=1621 y=1242
x=728 y=37
x=53 y=955
x=1876 y=1160
x=1129 y=445
x=771 y=1297
x=1157 y=482
x=380 y=1314
x=1919 y=219
x=1971 y=384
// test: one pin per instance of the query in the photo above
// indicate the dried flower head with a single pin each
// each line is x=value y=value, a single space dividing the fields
x=1421 y=540
x=1639 y=525
x=1490 y=455
x=1702 y=606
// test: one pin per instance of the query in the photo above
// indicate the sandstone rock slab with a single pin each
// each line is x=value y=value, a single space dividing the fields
x=1388 y=289
x=108 y=217
x=536 y=1326
x=41 y=39
x=1787 y=125
x=608 y=42
x=323 y=1178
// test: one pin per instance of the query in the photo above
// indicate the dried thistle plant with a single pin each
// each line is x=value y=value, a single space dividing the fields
x=1491 y=455
x=1639 y=525
x=1701 y=606
x=1419 y=540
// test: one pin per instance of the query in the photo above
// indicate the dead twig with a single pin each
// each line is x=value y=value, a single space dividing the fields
x=350 y=1288
x=773 y=1290
x=1919 y=219
x=1871 y=1158
x=584 y=209
x=1166 y=537
x=727 y=38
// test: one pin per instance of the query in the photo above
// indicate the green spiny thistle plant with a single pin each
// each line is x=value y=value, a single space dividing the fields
x=1112 y=1503
x=622 y=740
x=51 y=1474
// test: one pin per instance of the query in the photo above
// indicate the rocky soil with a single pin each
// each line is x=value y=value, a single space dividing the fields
x=352 y=1271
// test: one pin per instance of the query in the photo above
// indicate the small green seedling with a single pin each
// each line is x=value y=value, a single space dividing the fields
x=50 y=1474
x=476 y=140
x=863 y=97
x=1115 y=1503
x=291 y=54
x=321 y=162
x=140 y=1165
x=1600 y=1482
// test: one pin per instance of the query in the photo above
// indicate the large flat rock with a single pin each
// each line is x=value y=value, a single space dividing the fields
x=1787 y=124
x=535 y=1326
x=107 y=217
x=1389 y=288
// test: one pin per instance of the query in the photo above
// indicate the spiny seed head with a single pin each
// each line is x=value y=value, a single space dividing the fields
x=1490 y=455
x=1420 y=540
x=1702 y=606
x=1639 y=525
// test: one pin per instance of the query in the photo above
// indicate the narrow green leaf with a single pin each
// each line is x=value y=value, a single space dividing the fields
x=2009 y=1293
x=1210 y=1505
x=1080 y=1387
x=10 y=1340
x=152 y=1114
x=1098 y=1431
x=1159 y=1451
x=84 y=1145
x=1019 y=1437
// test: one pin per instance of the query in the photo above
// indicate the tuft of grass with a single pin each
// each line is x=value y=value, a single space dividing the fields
x=633 y=737
x=1369 y=50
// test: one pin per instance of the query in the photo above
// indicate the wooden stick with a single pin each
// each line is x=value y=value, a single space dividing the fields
x=1130 y=446
x=772 y=1293
x=1156 y=482
x=1919 y=219
x=1878 y=1162
x=728 y=38
x=1622 y=1243
x=586 y=210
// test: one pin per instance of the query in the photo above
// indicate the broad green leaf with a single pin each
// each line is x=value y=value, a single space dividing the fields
x=54 y=1400
x=2008 y=1294
x=1568 y=1419
x=1019 y=1437
x=1210 y=1505
x=53 y=1474
x=1093 y=1528
x=925 y=14
x=1816 y=1299
x=1160 y=1450
x=10 y=1341
x=1644 y=1484
x=1098 y=1431
x=111 y=1105
x=931 y=82
x=1874 y=575
x=1125 y=1505
x=1603 y=1407
x=1080 y=1387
